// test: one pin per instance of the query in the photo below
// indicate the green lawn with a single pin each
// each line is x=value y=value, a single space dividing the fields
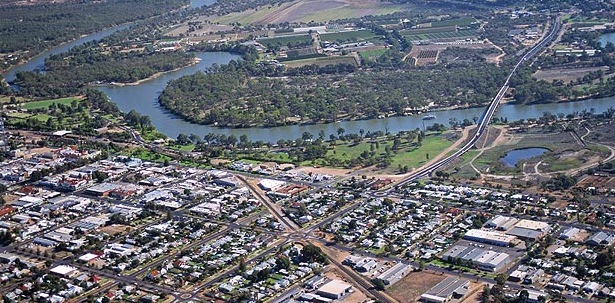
x=184 y=148
x=431 y=147
x=45 y=103
x=372 y=54
x=361 y=35
x=303 y=39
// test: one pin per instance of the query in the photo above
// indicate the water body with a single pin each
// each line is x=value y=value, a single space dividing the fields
x=514 y=156
x=144 y=99
x=201 y=3
x=604 y=39
x=38 y=62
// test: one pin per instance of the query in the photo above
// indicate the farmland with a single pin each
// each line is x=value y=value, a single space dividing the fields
x=439 y=35
x=321 y=61
x=293 y=40
x=310 y=10
x=350 y=36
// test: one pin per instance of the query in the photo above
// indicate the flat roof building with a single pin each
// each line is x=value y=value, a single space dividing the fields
x=446 y=290
x=487 y=260
x=501 y=222
x=335 y=289
x=488 y=237
x=395 y=273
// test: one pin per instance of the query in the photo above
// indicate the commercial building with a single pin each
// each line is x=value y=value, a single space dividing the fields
x=489 y=237
x=335 y=289
x=446 y=290
x=601 y=239
x=529 y=230
x=487 y=260
x=395 y=273
x=501 y=223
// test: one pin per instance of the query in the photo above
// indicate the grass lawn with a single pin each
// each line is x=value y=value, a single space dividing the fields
x=321 y=61
x=432 y=146
x=284 y=40
x=372 y=54
x=184 y=148
x=42 y=117
x=361 y=35
x=45 y=103
x=150 y=156
x=19 y=115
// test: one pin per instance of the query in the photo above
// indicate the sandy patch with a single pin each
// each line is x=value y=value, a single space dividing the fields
x=116 y=229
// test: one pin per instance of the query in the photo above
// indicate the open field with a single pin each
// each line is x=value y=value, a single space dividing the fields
x=445 y=35
x=566 y=75
x=310 y=10
x=45 y=103
x=372 y=54
x=350 y=36
x=410 y=288
x=321 y=61
x=565 y=153
x=303 y=40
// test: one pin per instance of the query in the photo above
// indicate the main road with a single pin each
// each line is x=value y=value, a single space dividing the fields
x=485 y=119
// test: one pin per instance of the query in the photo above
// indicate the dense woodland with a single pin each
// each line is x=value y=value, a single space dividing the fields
x=36 y=27
x=223 y=95
x=71 y=76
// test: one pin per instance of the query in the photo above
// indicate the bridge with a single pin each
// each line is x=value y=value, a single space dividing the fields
x=485 y=118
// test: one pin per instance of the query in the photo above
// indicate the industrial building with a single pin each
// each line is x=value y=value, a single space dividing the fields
x=446 y=290
x=489 y=237
x=335 y=289
x=529 y=230
x=501 y=223
x=395 y=273
x=487 y=260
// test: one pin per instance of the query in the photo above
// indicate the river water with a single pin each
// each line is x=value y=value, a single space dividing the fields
x=143 y=99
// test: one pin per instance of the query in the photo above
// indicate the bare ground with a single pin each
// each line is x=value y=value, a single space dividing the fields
x=410 y=288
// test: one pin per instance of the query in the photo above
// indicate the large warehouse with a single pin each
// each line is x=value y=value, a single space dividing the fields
x=489 y=237
x=487 y=260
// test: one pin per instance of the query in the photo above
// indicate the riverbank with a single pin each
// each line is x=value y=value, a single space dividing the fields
x=193 y=61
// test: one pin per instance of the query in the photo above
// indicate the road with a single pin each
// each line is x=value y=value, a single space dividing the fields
x=485 y=119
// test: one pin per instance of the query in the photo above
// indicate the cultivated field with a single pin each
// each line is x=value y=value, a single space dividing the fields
x=311 y=10
x=321 y=61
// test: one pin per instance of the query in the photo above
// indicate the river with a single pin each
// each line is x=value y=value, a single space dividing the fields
x=143 y=99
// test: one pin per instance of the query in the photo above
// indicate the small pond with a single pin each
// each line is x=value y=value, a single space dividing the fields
x=514 y=156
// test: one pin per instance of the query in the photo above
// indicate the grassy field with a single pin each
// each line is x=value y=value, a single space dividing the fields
x=431 y=147
x=372 y=54
x=322 y=61
x=441 y=35
x=564 y=153
x=454 y=22
x=45 y=103
x=353 y=36
x=284 y=40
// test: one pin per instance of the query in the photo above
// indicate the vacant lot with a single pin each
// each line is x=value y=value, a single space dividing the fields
x=410 y=288
x=311 y=10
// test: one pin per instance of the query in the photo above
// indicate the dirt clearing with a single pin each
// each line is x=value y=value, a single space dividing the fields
x=410 y=288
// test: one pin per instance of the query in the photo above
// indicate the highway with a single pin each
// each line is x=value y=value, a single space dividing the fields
x=485 y=119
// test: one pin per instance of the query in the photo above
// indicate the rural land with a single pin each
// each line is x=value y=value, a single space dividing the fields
x=307 y=151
